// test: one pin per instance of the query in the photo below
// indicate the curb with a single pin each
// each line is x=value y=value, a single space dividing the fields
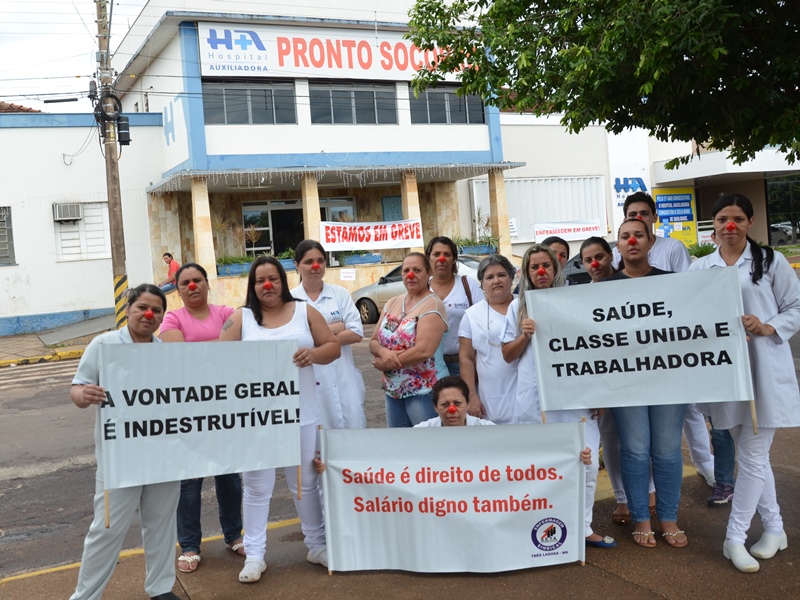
x=33 y=360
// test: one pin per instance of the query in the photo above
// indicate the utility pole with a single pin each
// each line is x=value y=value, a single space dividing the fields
x=107 y=112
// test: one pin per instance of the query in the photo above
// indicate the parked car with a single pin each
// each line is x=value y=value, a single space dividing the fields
x=371 y=298
x=778 y=236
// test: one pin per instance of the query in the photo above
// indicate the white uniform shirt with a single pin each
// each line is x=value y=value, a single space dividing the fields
x=340 y=385
x=437 y=422
x=666 y=254
x=456 y=303
x=526 y=404
x=775 y=300
x=497 y=379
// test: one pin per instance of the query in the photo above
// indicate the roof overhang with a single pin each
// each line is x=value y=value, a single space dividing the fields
x=290 y=178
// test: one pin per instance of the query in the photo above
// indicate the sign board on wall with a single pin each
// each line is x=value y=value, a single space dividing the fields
x=238 y=50
x=569 y=230
x=677 y=214
x=337 y=236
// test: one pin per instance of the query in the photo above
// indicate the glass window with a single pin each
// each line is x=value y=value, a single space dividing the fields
x=245 y=104
x=445 y=106
x=341 y=104
x=236 y=112
x=6 y=237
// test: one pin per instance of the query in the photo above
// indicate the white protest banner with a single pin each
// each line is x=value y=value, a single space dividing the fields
x=569 y=230
x=179 y=411
x=671 y=339
x=370 y=236
x=454 y=499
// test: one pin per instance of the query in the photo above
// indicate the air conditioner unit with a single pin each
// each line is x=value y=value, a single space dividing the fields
x=72 y=211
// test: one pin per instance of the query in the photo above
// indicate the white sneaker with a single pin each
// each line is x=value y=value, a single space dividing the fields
x=769 y=544
x=253 y=568
x=740 y=557
x=318 y=556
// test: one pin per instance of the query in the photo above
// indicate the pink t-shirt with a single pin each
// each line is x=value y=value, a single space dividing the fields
x=195 y=330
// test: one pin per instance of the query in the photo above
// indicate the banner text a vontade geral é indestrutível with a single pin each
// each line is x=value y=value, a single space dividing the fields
x=675 y=338
x=229 y=406
x=454 y=499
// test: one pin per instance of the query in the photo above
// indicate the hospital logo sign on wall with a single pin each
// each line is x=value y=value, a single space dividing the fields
x=549 y=534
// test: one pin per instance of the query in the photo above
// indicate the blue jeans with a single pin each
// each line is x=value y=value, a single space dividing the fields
x=167 y=287
x=229 y=499
x=651 y=434
x=408 y=411
x=724 y=455
x=454 y=368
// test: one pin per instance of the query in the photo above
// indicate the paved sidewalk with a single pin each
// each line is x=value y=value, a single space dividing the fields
x=29 y=349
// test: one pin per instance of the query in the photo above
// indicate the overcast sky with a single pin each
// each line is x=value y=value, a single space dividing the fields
x=48 y=49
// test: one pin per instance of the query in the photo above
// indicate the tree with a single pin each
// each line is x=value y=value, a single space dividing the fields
x=724 y=73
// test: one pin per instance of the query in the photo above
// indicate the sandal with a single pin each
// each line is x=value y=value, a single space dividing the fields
x=187 y=563
x=671 y=537
x=237 y=547
x=621 y=518
x=646 y=535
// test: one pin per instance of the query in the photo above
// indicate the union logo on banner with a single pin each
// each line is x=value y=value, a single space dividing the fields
x=549 y=534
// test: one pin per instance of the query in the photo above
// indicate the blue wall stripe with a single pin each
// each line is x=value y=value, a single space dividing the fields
x=346 y=160
x=193 y=101
x=495 y=136
x=43 y=322
x=34 y=120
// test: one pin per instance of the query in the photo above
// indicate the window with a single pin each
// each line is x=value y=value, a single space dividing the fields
x=86 y=239
x=243 y=104
x=445 y=107
x=6 y=237
x=347 y=105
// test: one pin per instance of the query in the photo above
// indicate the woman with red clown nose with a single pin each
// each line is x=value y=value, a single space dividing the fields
x=649 y=435
x=404 y=343
x=542 y=270
x=157 y=503
x=271 y=313
x=340 y=385
x=771 y=298
x=450 y=402
x=199 y=321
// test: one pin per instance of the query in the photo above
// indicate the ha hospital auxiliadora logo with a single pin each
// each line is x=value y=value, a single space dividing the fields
x=236 y=50
x=549 y=534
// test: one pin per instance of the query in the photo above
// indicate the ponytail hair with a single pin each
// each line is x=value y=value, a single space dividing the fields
x=762 y=255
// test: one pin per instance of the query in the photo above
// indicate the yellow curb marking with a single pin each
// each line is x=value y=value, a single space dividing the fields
x=128 y=553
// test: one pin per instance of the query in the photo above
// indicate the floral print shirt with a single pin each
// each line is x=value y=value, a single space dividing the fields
x=398 y=332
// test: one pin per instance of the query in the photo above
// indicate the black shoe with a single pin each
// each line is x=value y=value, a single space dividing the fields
x=167 y=596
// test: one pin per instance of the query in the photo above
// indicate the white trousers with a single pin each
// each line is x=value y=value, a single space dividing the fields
x=696 y=434
x=158 y=505
x=755 y=484
x=610 y=441
x=258 y=486
x=593 y=443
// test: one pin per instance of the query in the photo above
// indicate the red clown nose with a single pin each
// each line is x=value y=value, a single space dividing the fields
x=149 y=315
x=268 y=285
x=638 y=218
x=632 y=241
x=192 y=286
x=410 y=275
x=595 y=264
x=542 y=271
x=730 y=226
x=315 y=266
x=452 y=409
x=441 y=259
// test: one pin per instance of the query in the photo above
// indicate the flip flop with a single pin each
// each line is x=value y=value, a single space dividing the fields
x=621 y=518
x=188 y=563
x=646 y=535
x=237 y=547
x=671 y=537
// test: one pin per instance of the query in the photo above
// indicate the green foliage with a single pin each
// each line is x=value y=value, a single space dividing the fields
x=723 y=73
x=288 y=253
x=233 y=260
x=700 y=250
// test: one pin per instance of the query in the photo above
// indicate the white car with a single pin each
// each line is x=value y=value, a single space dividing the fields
x=371 y=298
